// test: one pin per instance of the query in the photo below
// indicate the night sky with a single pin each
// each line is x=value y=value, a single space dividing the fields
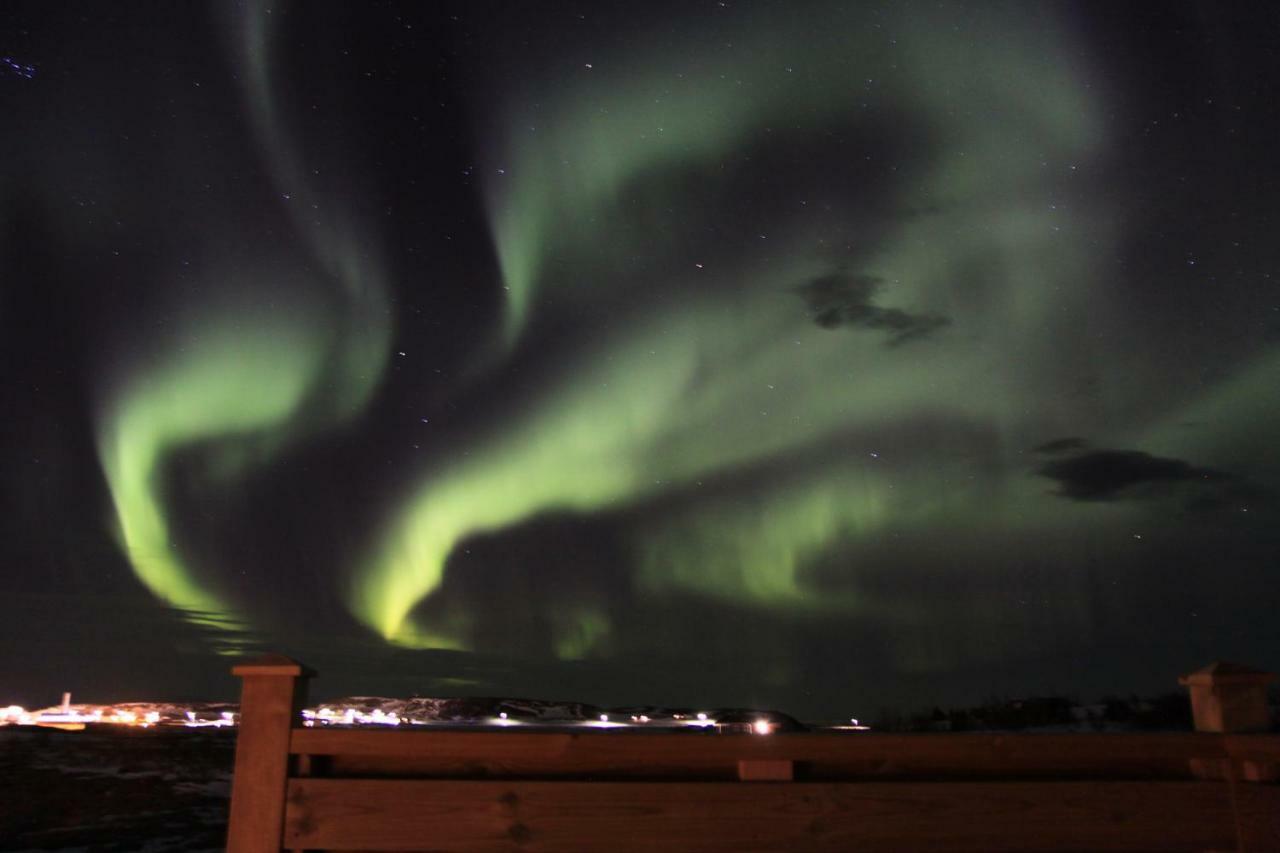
x=828 y=357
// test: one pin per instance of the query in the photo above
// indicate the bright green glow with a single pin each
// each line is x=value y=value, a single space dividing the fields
x=688 y=395
x=244 y=376
x=333 y=237
x=520 y=476
x=575 y=163
x=552 y=196
x=753 y=549
x=236 y=376
x=730 y=372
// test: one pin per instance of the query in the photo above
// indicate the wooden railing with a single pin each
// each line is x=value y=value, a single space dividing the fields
x=406 y=789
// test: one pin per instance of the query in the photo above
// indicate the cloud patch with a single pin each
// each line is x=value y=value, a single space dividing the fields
x=1115 y=475
x=846 y=299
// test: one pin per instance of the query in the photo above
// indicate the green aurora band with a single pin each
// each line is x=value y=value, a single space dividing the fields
x=232 y=381
x=244 y=375
x=576 y=156
x=723 y=370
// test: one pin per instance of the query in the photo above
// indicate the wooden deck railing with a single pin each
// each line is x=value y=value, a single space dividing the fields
x=406 y=789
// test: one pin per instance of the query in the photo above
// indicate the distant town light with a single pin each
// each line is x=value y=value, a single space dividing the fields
x=702 y=717
x=762 y=727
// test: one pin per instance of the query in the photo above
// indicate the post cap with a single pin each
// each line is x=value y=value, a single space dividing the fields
x=1222 y=672
x=271 y=664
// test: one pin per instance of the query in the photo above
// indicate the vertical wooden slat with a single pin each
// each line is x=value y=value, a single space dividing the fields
x=273 y=691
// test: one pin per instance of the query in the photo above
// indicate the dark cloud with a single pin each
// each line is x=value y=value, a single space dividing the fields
x=1062 y=445
x=845 y=299
x=1112 y=475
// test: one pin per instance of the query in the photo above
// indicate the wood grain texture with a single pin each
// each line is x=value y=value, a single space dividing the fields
x=769 y=770
x=619 y=816
x=262 y=762
x=605 y=755
x=1259 y=814
x=1257 y=747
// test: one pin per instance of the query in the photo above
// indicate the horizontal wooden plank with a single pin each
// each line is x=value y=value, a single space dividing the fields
x=368 y=814
x=1258 y=747
x=454 y=754
x=770 y=770
x=1259 y=813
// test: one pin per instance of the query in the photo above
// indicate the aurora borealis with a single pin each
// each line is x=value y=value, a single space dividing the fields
x=817 y=355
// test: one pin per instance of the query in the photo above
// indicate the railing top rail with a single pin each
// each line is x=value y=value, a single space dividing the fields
x=600 y=755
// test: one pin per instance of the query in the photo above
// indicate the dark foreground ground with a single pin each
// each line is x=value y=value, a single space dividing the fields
x=114 y=789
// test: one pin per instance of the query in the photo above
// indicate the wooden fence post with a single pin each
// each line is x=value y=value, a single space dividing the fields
x=273 y=692
x=1227 y=699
